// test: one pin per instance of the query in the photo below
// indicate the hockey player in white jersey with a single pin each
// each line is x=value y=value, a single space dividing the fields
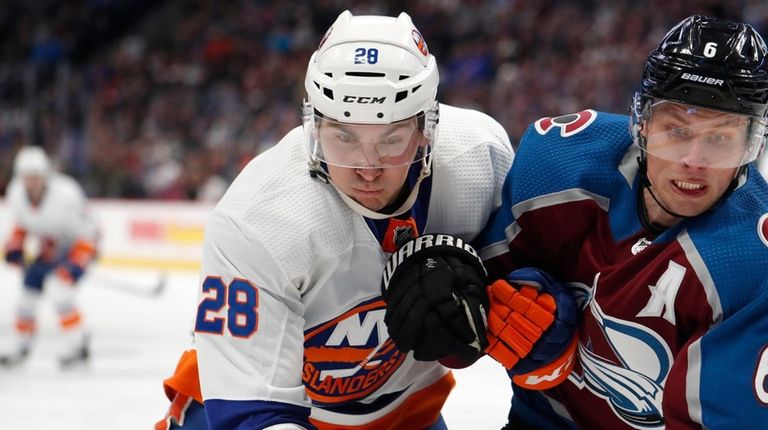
x=290 y=329
x=49 y=215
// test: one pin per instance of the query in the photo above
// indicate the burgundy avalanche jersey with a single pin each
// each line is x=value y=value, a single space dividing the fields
x=675 y=327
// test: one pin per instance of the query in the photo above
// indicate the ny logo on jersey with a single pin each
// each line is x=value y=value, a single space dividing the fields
x=351 y=356
x=356 y=332
x=663 y=294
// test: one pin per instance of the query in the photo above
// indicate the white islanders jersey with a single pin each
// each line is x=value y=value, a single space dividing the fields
x=290 y=310
x=61 y=217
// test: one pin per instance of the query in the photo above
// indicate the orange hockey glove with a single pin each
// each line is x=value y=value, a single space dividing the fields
x=531 y=328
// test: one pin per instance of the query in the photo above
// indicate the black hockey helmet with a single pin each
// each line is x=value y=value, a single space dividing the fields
x=709 y=63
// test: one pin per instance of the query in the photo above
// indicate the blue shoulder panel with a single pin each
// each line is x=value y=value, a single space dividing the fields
x=578 y=151
x=732 y=244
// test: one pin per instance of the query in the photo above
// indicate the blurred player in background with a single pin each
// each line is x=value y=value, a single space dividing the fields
x=662 y=232
x=290 y=329
x=49 y=214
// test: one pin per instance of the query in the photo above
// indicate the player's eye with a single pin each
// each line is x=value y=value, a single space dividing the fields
x=344 y=137
x=392 y=140
x=679 y=132
x=720 y=139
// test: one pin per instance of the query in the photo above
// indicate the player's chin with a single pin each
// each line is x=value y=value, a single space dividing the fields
x=371 y=202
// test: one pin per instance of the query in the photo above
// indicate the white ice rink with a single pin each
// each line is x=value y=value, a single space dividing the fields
x=136 y=342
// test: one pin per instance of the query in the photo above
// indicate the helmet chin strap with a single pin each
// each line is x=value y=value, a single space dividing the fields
x=645 y=183
x=426 y=170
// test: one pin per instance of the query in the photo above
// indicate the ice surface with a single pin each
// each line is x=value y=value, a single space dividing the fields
x=135 y=344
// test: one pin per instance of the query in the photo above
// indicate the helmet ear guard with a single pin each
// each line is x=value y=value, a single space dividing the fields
x=636 y=117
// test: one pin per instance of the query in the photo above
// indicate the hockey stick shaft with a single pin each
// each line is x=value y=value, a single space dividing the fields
x=139 y=288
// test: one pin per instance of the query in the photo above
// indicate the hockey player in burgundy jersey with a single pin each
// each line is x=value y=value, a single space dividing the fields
x=661 y=230
x=290 y=330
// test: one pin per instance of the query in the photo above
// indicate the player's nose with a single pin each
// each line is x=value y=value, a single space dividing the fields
x=369 y=174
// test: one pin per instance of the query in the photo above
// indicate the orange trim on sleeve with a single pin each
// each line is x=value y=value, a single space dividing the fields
x=182 y=388
x=419 y=411
x=82 y=252
x=185 y=378
x=26 y=325
x=16 y=240
x=70 y=320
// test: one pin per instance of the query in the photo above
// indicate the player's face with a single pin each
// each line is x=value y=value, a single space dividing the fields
x=368 y=145
x=35 y=185
x=692 y=156
x=370 y=162
x=374 y=188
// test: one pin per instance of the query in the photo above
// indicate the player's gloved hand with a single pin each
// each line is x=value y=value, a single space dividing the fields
x=80 y=255
x=69 y=271
x=532 y=328
x=14 y=256
x=434 y=287
x=14 y=248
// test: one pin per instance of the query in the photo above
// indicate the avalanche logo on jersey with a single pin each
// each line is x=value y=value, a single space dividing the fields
x=350 y=357
x=762 y=229
x=632 y=380
x=568 y=124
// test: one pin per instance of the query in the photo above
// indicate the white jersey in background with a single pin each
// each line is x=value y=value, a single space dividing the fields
x=290 y=307
x=59 y=220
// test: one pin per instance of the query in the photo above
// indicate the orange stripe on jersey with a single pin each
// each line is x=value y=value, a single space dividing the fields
x=185 y=379
x=419 y=411
x=24 y=325
x=341 y=355
x=361 y=309
x=70 y=320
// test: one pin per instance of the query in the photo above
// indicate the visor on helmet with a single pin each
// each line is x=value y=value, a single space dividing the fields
x=374 y=146
x=680 y=132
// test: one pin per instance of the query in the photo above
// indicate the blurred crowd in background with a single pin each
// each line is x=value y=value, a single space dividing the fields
x=169 y=99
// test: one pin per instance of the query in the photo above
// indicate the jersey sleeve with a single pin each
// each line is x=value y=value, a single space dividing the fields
x=249 y=333
x=720 y=379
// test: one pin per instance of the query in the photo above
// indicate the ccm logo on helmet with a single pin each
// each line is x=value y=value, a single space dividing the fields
x=702 y=79
x=363 y=100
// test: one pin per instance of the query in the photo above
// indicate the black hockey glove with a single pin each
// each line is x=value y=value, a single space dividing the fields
x=435 y=290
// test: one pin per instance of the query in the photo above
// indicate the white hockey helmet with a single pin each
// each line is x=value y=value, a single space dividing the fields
x=372 y=70
x=31 y=160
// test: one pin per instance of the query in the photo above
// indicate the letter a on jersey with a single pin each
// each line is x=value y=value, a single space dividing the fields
x=662 y=301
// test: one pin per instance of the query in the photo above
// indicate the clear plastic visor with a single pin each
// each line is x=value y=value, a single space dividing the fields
x=369 y=145
x=702 y=137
